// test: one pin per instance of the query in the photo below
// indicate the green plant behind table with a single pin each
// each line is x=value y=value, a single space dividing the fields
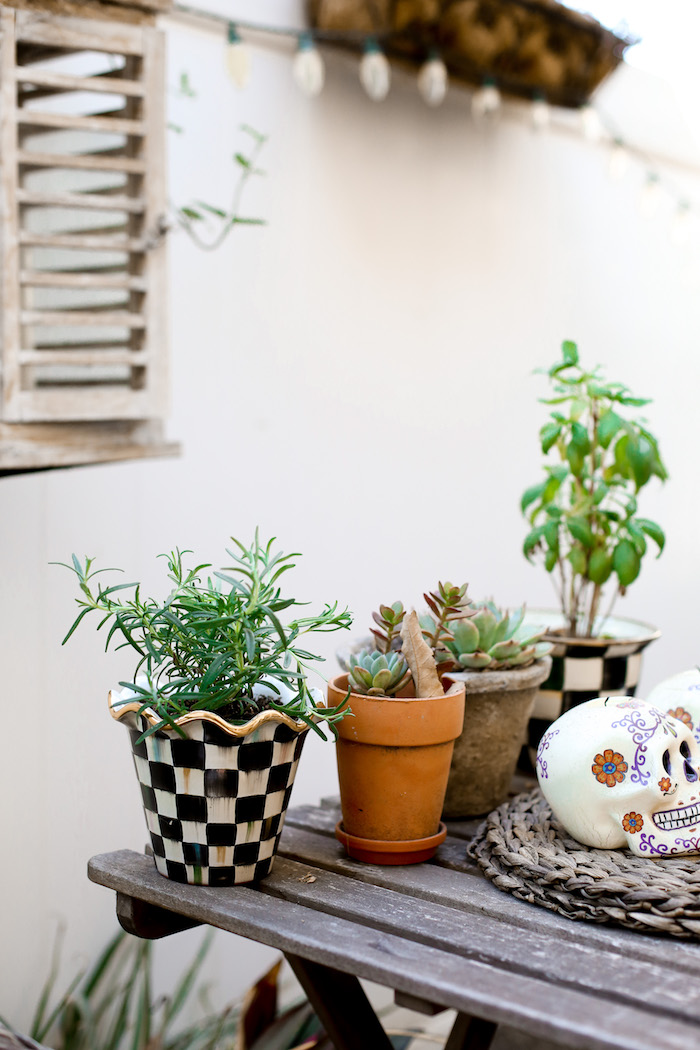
x=111 y=1006
x=586 y=528
x=216 y=640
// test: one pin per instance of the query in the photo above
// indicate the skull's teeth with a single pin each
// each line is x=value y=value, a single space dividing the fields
x=670 y=819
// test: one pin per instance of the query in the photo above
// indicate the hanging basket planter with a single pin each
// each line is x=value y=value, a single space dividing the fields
x=214 y=800
x=530 y=47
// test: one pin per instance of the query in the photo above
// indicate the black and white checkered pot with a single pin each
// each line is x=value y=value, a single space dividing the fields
x=215 y=799
x=584 y=668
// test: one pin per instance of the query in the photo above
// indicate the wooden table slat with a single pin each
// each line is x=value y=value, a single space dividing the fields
x=529 y=953
x=467 y=985
x=473 y=893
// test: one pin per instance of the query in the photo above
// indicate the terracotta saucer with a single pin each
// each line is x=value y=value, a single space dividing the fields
x=377 y=851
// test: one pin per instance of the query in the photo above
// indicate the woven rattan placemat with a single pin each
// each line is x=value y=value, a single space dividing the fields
x=525 y=851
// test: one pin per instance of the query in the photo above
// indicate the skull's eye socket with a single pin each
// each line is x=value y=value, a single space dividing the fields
x=690 y=773
x=667 y=762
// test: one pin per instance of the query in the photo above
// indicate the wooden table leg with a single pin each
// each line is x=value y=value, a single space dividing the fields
x=148 y=920
x=471 y=1033
x=341 y=1005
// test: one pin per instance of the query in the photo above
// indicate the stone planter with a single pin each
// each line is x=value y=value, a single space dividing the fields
x=582 y=669
x=497 y=708
x=215 y=800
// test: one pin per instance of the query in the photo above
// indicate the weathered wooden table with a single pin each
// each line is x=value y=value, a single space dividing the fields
x=440 y=935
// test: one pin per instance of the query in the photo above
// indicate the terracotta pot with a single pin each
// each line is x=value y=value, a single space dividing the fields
x=497 y=709
x=215 y=800
x=582 y=669
x=393 y=761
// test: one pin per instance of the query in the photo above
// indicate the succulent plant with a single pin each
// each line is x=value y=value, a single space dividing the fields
x=493 y=640
x=449 y=604
x=378 y=674
x=389 y=620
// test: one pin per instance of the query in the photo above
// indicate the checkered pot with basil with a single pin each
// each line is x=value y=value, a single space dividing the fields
x=583 y=669
x=587 y=531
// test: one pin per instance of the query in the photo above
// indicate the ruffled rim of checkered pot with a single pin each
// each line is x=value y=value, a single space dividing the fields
x=208 y=716
x=214 y=800
x=583 y=668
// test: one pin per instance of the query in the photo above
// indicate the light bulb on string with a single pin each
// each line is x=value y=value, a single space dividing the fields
x=237 y=57
x=590 y=123
x=682 y=224
x=486 y=102
x=308 y=69
x=432 y=80
x=650 y=196
x=375 y=71
x=619 y=161
x=540 y=113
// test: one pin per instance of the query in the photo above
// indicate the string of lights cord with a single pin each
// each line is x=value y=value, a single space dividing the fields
x=433 y=82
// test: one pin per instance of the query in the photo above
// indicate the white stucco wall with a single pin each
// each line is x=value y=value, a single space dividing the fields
x=355 y=378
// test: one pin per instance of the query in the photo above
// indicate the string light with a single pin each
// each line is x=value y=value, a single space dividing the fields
x=432 y=80
x=308 y=69
x=375 y=76
x=486 y=102
x=375 y=71
x=682 y=224
x=237 y=58
x=590 y=123
x=619 y=161
x=540 y=114
x=650 y=196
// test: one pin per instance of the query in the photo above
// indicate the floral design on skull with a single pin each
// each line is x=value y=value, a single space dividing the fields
x=609 y=768
x=632 y=823
x=642 y=724
x=682 y=715
x=648 y=844
x=665 y=784
x=544 y=744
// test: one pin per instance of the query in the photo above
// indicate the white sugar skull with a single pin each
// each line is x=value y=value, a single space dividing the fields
x=618 y=771
x=679 y=696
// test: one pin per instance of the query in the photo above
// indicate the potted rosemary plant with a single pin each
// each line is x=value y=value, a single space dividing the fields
x=218 y=706
x=394 y=751
x=585 y=528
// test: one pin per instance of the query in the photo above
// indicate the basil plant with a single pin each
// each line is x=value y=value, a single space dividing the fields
x=585 y=525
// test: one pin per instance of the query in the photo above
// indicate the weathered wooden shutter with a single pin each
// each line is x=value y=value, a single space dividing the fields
x=82 y=196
